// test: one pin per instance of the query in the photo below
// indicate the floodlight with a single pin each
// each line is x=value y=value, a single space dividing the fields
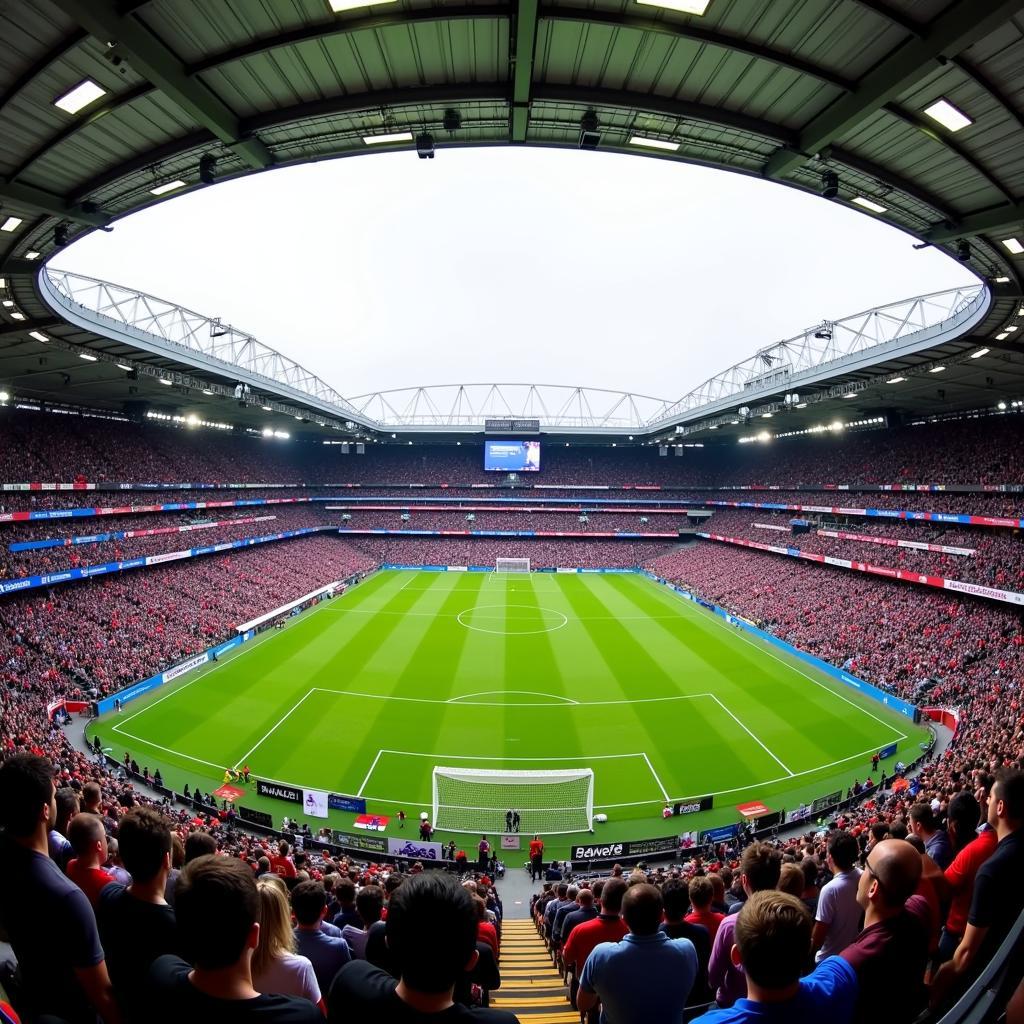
x=981 y=352
x=387 y=138
x=87 y=356
x=868 y=204
x=948 y=116
x=17 y=315
x=936 y=369
x=167 y=186
x=425 y=146
x=207 y=168
x=695 y=7
x=1012 y=245
x=80 y=96
x=643 y=140
x=11 y=224
x=32 y=254
x=4 y=396
x=895 y=380
x=38 y=335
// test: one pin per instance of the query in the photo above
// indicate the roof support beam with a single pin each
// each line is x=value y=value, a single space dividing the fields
x=47 y=202
x=522 y=72
x=151 y=59
x=948 y=35
x=1002 y=218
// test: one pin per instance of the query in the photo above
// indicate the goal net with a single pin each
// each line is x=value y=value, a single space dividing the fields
x=512 y=565
x=478 y=800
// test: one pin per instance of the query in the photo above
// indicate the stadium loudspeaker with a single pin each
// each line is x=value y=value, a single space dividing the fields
x=346 y=448
x=678 y=451
x=663 y=449
x=360 y=448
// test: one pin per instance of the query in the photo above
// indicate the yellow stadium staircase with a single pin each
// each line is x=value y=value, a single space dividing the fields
x=531 y=987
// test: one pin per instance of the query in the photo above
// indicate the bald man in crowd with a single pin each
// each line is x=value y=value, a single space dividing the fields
x=894 y=940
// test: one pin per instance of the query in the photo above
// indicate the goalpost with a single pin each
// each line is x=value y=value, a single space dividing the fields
x=477 y=800
x=512 y=565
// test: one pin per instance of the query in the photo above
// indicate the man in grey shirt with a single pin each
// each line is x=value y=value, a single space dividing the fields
x=838 y=917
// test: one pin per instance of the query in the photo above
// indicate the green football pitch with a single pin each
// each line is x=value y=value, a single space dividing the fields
x=366 y=693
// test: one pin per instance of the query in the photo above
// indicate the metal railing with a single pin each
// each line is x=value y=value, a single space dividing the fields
x=468 y=405
x=557 y=406
x=827 y=343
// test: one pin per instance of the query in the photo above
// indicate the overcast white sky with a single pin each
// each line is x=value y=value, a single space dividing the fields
x=512 y=265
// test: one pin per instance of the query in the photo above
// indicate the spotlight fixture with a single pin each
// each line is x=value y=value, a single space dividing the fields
x=207 y=169
x=829 y=184
x=824 y=332
x=963 y=250
x=425 y=146
x=590 y=136
x=452 y=120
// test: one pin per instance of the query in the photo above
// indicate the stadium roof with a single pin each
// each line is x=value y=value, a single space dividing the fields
x=917 y=107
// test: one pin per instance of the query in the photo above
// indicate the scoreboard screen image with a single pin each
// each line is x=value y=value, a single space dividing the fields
x=512 y=456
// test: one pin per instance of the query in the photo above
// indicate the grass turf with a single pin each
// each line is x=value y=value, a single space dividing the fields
x=366 y=693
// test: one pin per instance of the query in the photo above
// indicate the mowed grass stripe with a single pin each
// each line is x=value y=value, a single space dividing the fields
x=691 y=734
x=427 y=667
x=781 y=705
x=627 y=640
x=532 y=658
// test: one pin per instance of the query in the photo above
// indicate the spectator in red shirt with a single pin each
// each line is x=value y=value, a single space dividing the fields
x=282 y=864
x=608 y=926
x=89 y=841
x=956 y=883
x=701 y=894
x=485 y=931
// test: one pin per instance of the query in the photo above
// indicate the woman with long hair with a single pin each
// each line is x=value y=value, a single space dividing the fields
x=276 y=968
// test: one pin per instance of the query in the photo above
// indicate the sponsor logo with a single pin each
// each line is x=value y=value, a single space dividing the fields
x=417 y=851
x=596 y=852
x=186 y=666
x=278 y=792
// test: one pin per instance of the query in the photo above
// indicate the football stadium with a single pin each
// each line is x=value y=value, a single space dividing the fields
x=325 y=692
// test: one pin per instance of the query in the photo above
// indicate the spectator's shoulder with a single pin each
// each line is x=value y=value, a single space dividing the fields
x=833 y=977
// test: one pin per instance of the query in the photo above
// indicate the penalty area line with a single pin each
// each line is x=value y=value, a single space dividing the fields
x=664 y=791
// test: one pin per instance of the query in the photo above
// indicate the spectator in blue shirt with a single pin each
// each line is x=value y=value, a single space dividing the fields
x=773 y=940
x=647 y=977
x=326 y=951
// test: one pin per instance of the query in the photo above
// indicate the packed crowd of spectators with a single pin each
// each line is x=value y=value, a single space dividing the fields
x=907 y=640
x=997 y=561
x=236 y=526
x=934 y=889
x=107 y=632
x=589 y=521
x=544 y=553
x=38 y=446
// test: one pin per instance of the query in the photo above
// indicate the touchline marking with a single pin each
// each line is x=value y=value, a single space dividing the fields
x=817 y=682
x=221 y=662
x=664 y=791
x=753 y=736
x=273 y=728
x=177 y=753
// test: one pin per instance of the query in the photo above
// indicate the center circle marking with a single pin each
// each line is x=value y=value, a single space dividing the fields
x=469 y=612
